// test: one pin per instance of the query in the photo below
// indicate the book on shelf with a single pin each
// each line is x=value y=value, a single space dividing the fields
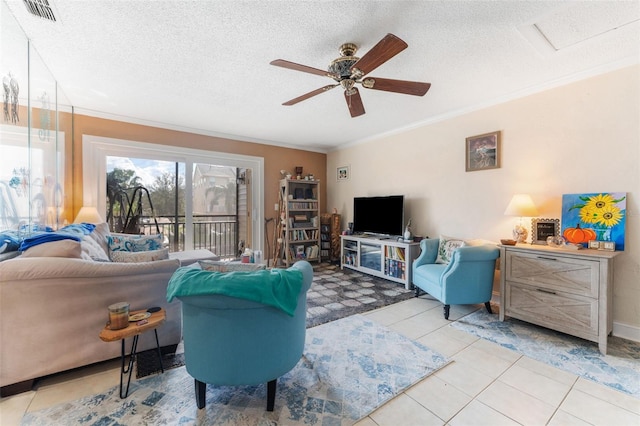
x=396 y=253
x=312 y=252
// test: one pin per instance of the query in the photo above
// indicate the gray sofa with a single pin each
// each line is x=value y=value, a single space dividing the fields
x=53 y=308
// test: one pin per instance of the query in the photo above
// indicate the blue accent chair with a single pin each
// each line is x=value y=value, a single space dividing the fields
x=231 y=342
x=466 y=279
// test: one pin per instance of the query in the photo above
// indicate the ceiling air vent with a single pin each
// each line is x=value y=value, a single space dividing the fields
x=40 y=8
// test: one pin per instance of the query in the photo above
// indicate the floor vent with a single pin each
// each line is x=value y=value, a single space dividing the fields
x=40 y=8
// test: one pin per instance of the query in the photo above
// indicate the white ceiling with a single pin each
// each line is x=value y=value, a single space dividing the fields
x=203 y=66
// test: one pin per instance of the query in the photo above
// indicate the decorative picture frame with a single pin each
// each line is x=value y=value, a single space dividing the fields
x=342 y=173
x=482 y=152
x=541 y=229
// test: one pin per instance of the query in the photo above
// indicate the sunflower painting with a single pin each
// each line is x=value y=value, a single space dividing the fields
x=598 y=216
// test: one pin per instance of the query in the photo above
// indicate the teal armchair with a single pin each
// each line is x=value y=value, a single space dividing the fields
x=230 y=341
x=466 y=279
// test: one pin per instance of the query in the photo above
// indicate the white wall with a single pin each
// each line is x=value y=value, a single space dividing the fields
x=579 y=138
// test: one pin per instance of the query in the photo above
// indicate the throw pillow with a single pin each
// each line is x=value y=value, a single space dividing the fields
x=222 y=266
x=446 y=246
x=141 y=256
x=93 y=250
x=78 y=229
x=126 y=242
x=10 y=241
x=101 y=235
x=61 y=248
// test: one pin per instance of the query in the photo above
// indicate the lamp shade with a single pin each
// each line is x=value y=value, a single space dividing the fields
x=521 y=205
x=88 y=215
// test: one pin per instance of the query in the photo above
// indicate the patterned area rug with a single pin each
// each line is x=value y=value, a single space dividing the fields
x=337 y=293
x=619 y=369
x=349 y=367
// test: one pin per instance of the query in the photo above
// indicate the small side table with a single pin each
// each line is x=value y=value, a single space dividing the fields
x=134 y=330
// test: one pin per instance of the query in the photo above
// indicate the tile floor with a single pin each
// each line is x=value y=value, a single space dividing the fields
x=484 y=385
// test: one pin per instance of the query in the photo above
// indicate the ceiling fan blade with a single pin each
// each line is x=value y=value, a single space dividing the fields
x=416 y=88
x=297 y=67
x=310 y=94
x=387 y=48
x=354 y=102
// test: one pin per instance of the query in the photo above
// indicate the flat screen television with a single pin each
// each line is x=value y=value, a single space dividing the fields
x=379 y=215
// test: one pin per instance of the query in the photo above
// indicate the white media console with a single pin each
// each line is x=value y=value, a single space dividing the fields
x=387 y=258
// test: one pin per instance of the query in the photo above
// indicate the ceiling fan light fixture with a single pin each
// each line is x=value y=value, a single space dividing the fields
x=342 y=67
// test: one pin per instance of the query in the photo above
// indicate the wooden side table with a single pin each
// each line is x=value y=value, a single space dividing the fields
x=134 y=330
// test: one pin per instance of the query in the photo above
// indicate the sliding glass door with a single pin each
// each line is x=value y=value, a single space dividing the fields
x=196 y=199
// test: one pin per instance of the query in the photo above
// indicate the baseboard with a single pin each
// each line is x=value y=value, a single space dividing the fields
x=626 y=331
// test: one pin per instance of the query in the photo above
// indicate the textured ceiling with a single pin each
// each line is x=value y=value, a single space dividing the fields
x=203 y=66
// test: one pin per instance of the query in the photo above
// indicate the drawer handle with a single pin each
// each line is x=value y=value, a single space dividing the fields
x=545 y=291
x=546 y=258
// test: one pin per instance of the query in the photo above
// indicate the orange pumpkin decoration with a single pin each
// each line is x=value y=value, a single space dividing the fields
x=579 y=235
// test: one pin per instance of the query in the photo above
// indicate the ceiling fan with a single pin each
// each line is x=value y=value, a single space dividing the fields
x=349 y=70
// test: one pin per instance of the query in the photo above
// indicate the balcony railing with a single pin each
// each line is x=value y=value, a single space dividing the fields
x=216 y=233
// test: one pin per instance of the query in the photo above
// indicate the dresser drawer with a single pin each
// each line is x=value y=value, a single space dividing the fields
x=565 y=312
x=557 y=273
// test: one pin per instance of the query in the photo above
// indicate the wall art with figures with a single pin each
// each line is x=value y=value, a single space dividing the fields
x=595 y=216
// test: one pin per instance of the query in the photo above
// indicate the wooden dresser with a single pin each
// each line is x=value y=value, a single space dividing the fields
x=570 y=291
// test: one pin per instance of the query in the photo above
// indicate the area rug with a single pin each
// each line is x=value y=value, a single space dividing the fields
x=337 y=293
x=619 y=369
x=349 y=368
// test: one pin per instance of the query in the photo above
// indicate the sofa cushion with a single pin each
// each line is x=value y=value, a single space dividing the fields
x=446 y=246
x=222 y=266
x=126 y=242
x=61 y=248
x=139 y=256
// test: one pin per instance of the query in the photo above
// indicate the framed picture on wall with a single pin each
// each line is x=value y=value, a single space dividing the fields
x=343 y=173
x=482 y=152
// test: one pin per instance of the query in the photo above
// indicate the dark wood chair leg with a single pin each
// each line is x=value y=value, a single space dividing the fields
x=417 y=291
x=446 y=311
x=271 y=394
x=201 y=393
x=488 y=306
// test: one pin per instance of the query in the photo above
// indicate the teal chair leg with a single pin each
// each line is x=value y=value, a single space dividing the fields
x=271 y=394
x=201 y=394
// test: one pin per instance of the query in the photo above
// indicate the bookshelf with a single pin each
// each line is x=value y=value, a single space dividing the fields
x=330 y=237
x=299 y=204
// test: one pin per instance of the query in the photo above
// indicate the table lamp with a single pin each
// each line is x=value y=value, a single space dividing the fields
x=521 y=205
x=88 y=215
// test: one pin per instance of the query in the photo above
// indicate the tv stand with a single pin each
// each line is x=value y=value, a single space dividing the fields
x=382 y=257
